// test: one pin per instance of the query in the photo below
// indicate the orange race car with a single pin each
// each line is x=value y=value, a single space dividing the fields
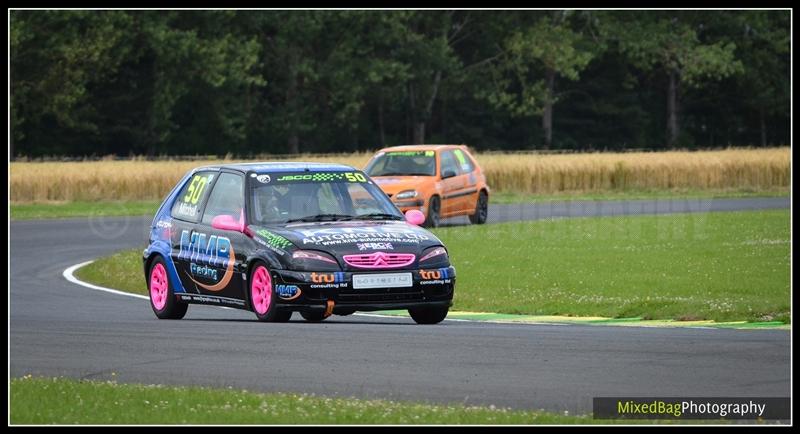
x=439 y=180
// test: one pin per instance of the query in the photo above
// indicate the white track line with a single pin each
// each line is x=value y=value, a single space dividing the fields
x=68 y=274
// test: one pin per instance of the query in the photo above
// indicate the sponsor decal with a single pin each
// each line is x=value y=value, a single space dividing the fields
x=375 y=246
x=435 y=277
x=264 y=179
x=274 y=240
x=203 y=271
x=324 y=177
x=385 y=234
x=212 y=299
x=328 y=280
x=164 y=229
x=287 y=292
x=214 y=251
x=412 y=153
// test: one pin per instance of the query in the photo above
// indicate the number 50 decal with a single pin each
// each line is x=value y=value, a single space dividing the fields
x=196 y=188
x=355 y=177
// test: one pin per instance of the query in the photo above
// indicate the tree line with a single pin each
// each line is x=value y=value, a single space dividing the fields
x=249 y=82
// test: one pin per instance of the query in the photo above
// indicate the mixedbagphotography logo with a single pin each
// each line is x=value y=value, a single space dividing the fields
x=739 y=408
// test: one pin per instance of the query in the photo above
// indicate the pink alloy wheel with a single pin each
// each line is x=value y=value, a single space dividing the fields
x=158 y=286
x=261 y=290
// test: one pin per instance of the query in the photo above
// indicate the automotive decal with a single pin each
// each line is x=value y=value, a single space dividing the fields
x=351 y=238
x=218 y=251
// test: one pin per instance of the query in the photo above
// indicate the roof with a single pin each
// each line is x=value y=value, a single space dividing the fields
x=282 y=166
x=418 y=148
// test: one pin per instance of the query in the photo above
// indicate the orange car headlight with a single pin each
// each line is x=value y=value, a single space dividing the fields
x=406 y=194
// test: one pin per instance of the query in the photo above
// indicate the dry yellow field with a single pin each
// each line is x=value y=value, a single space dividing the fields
x=731 y=169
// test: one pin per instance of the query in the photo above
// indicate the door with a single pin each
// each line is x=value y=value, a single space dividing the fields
x=186 y=213
x=468 y=196
x=452 y=185
x=220 y=253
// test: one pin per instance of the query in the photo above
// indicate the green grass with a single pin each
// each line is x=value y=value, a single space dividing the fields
x=726 y=266
x=510 y=198
x=33 y=211
x=123 y=271
x=66 y=401
x=721 y=266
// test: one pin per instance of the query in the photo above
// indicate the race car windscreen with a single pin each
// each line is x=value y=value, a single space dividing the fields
x=405 y=163
x=306 y=197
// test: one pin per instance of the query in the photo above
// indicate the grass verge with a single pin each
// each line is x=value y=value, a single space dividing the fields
x=66 y=401
x=32 y=211
x=725 y=266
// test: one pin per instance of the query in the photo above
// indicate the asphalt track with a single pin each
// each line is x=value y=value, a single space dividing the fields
x=61 y=329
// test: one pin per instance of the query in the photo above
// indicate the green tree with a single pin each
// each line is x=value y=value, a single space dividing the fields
x=557 y=44
x=56 y=57
x=668 y=42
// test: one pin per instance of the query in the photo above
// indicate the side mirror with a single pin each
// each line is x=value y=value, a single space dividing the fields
x=449 y=173
x=415 y=217
x=227 y=223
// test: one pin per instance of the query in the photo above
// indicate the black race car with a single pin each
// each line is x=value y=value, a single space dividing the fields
x=276 y=238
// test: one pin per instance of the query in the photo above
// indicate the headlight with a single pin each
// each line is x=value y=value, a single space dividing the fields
x=308 y=260
x=434 y=257
x=406 y=194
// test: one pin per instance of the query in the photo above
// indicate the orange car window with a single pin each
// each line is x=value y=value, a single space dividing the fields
x=464 y=163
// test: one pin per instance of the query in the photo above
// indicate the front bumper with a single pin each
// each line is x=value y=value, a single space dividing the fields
x=313 y=290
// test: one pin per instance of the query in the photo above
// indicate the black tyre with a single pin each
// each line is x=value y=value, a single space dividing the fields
x=429 y=315
x=481 y=209
x=313 y=315
x=162 y=296
x=263 y=299
x=434 y=212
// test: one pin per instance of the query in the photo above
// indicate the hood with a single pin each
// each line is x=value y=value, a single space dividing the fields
x=395 y=184
x=350 y=237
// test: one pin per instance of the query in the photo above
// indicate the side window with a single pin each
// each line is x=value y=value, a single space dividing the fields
x=449 y=162
x=192 y=196
x=464 y=162
x=226 y=198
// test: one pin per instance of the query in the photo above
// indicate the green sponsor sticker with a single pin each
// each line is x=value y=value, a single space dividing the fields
x=460 y=156
x=274 y=240
x=325 y=177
